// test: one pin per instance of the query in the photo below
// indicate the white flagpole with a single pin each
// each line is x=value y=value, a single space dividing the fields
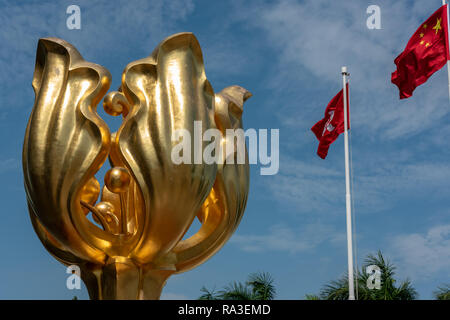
x=448 y=62
x=351 y=283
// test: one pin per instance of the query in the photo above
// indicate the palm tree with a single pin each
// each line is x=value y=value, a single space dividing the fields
x=338 y=289
x=208 y=295
x=443 y=292
x=259 y=286
x=312 y=297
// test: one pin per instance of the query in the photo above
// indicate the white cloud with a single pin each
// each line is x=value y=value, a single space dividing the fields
x=292 y=240
x=314 y=38
x=10 y=164
x=120 y=28
x=320 y=188
x=423 y=254
x=308 y=187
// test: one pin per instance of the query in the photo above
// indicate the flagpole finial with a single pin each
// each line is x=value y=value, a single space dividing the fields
x=344 y=70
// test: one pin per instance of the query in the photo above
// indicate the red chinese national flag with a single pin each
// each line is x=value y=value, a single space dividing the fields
x=425 y=53
x=331 y=126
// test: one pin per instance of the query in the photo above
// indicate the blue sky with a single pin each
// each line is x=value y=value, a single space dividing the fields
x=288 y=54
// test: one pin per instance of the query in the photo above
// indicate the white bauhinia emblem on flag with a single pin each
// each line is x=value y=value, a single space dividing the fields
x=328 y=126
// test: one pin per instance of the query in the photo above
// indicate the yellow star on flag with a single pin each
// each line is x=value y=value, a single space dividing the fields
x=428 y=44
x=422 y=42
x=438 y=27
x=425 y=26
x=421 y=35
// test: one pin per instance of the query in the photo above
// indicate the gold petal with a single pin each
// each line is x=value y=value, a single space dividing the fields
x=223 y=209
x=167 y=91
x=65 y=143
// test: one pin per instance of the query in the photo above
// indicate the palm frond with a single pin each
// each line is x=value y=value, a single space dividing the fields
x=262 y=286
x=312 y=297
x=236 y=291
x=405 y=291
x=338 y=289
x=208 y=295
x=442 y=292
x=335 y=290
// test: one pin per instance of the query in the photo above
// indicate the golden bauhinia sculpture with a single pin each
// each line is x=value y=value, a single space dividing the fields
x=148 y=202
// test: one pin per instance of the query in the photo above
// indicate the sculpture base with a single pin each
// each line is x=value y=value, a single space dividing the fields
x=121 y=279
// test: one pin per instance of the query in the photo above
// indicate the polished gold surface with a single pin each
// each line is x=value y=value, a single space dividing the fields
x=134 y=241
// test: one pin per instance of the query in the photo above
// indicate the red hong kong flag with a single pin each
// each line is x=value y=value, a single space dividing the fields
x=331 y=126
x=425 y=53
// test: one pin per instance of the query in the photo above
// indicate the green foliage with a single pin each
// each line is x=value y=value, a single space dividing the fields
x=236 y=291
x=259 y=286
x=338 y=289
x=442 y=293
x=208 y=295
x=262 y=286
